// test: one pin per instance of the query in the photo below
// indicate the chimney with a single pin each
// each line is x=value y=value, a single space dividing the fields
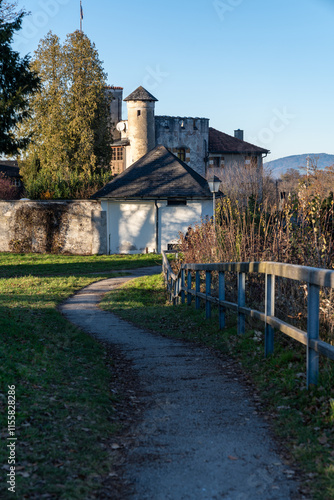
x=239 y=134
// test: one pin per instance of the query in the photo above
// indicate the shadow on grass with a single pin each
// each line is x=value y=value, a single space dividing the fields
x=62 y=265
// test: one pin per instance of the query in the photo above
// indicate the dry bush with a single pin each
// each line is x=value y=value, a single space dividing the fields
x=302 y=233
x=7 y=190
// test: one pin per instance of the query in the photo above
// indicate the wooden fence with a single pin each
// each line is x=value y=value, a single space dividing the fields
x=180 y=288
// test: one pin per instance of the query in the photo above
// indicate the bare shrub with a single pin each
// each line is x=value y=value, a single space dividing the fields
x=7 y=190
x=301 y=233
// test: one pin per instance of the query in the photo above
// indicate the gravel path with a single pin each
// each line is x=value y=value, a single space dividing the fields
x=200 y=436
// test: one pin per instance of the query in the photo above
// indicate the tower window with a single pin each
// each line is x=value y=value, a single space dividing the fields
x=138 y=112
x=181 y=154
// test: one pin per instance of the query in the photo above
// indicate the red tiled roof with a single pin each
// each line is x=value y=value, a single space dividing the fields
x=224 y=143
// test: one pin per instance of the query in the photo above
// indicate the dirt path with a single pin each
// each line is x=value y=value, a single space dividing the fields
x=200 y=436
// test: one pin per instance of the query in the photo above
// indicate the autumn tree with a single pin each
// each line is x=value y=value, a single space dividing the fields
x=9 y=11
x=70 y=116
x=17 y=82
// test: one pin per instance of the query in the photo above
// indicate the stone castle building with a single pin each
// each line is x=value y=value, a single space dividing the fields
x=206 y=150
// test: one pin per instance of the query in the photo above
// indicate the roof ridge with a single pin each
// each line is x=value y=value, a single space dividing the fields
x=157 y=175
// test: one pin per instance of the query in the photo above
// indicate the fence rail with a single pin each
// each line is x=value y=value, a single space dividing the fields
x=180 y=288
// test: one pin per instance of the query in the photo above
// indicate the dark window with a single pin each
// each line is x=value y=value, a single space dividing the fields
x=176 y=201
x=117 y=154
x=181 y=154
x=138 y=112
x=250 y=161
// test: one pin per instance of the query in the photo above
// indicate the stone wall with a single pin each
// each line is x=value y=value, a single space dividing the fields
x=65 y=227
x=192 y=134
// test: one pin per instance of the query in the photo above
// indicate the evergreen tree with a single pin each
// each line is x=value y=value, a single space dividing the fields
x=70 y=115
x=17 y=82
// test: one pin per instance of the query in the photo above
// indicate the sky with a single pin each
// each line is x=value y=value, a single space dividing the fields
x=264 y=66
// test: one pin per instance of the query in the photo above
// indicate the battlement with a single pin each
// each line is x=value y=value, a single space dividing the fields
x=182 y=122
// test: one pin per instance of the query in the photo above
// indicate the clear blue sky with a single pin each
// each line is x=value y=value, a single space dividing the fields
x=265 y=66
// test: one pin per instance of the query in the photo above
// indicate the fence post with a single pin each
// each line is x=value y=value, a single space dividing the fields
x=182 y=286
x=208 y=294
x=269 y=311
x=198 y=289
x=221 y=286
x=241 y=301
x=312 y=360
x=167 y=279
x=174 y=291
x=189 y=296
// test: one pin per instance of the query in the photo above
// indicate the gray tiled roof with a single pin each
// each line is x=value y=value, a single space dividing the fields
x=140 y=94
x=157 y=175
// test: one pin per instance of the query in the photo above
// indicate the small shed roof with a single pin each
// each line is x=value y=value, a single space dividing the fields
x=224 y=143
x=140 y=94
x=9 y=168
x=157 y=175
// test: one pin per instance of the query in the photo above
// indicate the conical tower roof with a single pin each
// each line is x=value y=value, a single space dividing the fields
x=140 y=94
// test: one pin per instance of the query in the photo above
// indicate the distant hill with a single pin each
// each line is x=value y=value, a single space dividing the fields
x=278 y=167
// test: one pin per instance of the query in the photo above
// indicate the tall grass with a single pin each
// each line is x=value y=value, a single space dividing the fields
x=301 y=232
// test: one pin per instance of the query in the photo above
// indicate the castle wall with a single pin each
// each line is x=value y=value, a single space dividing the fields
x=188 y=133
x=116 y=95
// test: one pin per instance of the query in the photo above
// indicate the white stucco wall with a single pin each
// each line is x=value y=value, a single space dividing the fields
x=176 y=219
x=131 y=226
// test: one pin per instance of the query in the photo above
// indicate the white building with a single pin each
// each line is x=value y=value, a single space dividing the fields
x=149 y=203
x=163 y=165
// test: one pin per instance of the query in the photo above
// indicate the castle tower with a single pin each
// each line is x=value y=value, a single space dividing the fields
x=116 y=95
x=141 y=122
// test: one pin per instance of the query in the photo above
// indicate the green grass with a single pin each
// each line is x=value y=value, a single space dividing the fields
x=62 y=375
x=303 y=419
x=51 y=265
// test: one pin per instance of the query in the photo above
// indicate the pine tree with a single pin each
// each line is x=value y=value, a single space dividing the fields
x=70 y=115
x=17 y=82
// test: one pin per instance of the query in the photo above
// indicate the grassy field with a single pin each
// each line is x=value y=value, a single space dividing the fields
x=61 y=377
x=303 y=420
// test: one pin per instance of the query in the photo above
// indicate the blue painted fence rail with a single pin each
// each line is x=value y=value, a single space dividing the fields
x=180 y=288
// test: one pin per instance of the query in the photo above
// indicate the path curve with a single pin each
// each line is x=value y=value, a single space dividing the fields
x=200 y=436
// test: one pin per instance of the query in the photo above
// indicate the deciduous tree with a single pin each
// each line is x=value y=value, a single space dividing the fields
x=70 y=115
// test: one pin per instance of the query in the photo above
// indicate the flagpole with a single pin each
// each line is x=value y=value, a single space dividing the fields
x=81 y=16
